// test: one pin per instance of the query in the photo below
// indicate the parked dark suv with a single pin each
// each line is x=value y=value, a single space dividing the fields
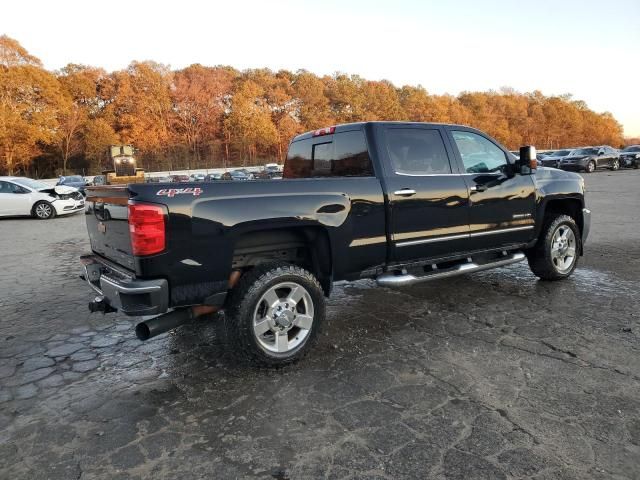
x=630 y=157
x=76 y=181
x=554 y=159
x=587 y=159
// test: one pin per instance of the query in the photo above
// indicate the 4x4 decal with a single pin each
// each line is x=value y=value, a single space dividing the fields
x=172 y=192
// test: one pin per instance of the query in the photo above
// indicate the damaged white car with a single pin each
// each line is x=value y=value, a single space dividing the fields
x=21 y=196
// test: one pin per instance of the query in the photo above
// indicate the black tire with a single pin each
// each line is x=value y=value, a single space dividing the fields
x=591 y=167
x=245 y=300
x=636 y=165
x=43 y=210
x=615 y=165
x=540 y=258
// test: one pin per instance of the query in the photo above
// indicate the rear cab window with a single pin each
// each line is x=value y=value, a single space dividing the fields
x=417 y=152
x=342 y=154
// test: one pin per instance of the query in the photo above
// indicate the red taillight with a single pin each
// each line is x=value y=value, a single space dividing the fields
x=324 y=131
x=146 y=228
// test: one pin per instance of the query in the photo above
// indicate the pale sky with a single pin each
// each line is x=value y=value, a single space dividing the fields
x=590 y=48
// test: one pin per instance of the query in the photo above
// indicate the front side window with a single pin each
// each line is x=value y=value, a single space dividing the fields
x=343 y=154
x=479 y=155
x=417 y=151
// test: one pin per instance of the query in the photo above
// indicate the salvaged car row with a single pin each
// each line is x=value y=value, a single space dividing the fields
x=589 y=159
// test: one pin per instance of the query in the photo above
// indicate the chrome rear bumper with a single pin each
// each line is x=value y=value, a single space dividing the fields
x=123 y=291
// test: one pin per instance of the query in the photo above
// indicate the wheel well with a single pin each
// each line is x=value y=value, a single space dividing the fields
x=307 y=247
x=566 y=206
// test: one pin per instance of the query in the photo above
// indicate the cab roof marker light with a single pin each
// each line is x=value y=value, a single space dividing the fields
x=324 y=131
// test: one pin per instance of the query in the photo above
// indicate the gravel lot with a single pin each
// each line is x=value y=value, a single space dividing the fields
x=492 y=375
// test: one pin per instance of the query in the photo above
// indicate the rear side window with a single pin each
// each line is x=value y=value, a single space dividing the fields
x=343 y=154
x=417 y=151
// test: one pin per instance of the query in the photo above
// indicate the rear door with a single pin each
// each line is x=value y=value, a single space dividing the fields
x=428 y=198
x=502 y=204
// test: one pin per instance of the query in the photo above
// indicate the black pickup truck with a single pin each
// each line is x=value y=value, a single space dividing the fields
x=397 y=202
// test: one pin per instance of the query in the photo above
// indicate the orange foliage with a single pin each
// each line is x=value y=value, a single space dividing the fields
x=202 y=117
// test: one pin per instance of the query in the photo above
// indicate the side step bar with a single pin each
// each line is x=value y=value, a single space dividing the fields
x=402 y=280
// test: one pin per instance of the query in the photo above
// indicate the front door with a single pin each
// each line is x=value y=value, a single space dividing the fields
x=14 y=199
x=428 y=198
x=502 y=204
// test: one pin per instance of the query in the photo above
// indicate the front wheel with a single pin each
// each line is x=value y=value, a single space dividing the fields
x=555 y=255
x=275 y=314
x=591 y=167
x=43 y=211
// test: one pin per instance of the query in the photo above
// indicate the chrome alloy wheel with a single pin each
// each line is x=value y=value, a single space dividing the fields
x=563 y=249
x=43 y=210
x=283 y=317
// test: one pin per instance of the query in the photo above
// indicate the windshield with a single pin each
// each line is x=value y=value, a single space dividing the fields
x=632 y=148
x=73 y=178
x=31 y=183
x=560 y=153
x=585 y=151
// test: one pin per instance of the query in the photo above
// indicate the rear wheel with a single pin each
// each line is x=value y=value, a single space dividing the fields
x=615 y=164
x=591 y=167
x=43 y=210
x=275 y=314
x=555 y=255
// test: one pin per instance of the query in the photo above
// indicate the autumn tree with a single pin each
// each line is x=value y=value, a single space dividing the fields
x=311 y=103
x=98 y=136
x=249 y=126
x=198 y=96
x=13 y=54
x=30 y=100
x=142 y=110
x=81 y=103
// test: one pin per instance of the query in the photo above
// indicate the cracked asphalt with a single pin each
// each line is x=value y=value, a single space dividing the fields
x=493 y=375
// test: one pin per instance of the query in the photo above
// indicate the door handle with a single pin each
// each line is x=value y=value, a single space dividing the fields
x=405 y=192
x=478 y=188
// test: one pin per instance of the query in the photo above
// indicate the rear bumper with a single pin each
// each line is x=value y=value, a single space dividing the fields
x=123 y=291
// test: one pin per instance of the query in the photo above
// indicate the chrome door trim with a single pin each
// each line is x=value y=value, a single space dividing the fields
x=501 y=230
x=461 y=236
x=432 y=240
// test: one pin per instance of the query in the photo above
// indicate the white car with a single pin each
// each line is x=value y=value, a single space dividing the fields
x=20 y=196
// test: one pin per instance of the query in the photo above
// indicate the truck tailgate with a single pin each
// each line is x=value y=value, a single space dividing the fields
x=107 y=223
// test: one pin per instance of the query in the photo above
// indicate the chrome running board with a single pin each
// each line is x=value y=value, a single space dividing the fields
x=404 y=279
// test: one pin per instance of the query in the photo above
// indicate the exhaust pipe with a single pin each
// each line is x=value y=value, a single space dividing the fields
x=168 y=321
x=163 y=323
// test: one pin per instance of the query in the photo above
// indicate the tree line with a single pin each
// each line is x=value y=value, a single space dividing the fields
x=204 y=117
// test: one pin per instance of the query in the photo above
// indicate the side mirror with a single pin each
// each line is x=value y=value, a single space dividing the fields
x=528 y=160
